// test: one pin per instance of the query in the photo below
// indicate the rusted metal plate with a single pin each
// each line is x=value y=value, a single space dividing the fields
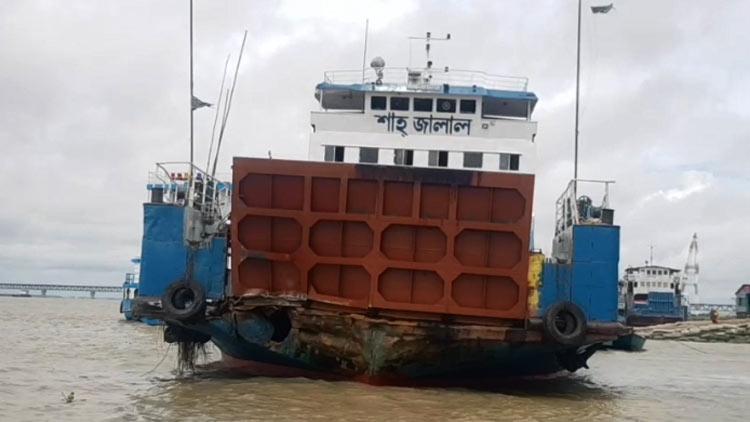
x=367 y=236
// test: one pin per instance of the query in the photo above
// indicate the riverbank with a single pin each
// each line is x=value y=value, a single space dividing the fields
x=726 y=331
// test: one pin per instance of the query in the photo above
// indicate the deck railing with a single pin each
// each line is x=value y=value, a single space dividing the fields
x=196 y=188
x=429 y=78
x=567 y=209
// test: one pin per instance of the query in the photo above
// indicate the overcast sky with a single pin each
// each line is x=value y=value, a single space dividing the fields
x=95 y=92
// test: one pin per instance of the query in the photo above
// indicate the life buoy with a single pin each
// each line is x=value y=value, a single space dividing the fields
x=184 y=301
x=565 y=323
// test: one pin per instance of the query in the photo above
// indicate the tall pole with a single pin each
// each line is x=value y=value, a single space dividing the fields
x=651 y=255
x=578 y=92
x=191 y=99
x=364 y=55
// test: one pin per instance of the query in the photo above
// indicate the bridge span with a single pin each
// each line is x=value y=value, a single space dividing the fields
x=705 y=308
x=43 y=288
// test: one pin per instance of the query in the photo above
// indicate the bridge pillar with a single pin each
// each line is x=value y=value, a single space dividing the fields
x=44 y=292
x=93 y=293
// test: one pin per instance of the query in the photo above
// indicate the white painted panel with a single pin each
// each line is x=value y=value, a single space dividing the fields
x=491 y=162
x=368 y=123
x=421 y=158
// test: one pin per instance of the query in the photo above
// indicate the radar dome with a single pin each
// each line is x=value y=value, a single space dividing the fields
x=377 y=63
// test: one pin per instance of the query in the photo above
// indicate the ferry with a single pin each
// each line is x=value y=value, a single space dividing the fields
x=400 y=252
x=130 y=292
x=655 y=294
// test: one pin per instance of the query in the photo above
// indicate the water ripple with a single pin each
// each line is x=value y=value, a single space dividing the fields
x=54 y=346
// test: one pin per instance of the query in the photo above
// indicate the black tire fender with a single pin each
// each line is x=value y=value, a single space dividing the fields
x=565 y=323
x=184 y=301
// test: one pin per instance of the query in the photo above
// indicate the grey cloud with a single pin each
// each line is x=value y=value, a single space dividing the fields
x=95 y=92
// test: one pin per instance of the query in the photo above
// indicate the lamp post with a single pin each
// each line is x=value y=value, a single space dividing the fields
x=595 y=10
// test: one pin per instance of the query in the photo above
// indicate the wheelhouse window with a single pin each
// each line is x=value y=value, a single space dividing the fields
x=403 y=157
x=400 y=103
x=473 y=160
x=446 y=105
x=368 y=155
x=437 y=158
x=509 y=161
x=468 y=106
x=423 y=104
x=334 y=153
x=377 y=103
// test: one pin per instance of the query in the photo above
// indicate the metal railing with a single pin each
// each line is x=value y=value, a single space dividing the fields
x=568 y=207
x=429 y=78
x=59 y=287
x=195 y=189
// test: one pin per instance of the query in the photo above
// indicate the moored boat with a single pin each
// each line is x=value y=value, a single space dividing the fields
x=401 y=252
x=654 y=294
x=629 y=343
x=130 y=291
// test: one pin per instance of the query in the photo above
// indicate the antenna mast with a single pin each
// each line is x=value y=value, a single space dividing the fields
x=216 y=116
x=427 y=38
x=364 y=56
x=651 y=256
x=228 y=106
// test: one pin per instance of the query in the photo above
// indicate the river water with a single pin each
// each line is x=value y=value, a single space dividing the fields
x=122 y=371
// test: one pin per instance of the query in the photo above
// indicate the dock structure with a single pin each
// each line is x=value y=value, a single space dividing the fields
x=725 y=331
x=43 y=288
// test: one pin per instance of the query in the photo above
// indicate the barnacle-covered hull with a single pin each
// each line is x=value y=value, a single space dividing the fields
x=335 y=345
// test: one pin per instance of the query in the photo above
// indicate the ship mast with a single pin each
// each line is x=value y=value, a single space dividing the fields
x=192 y=109
x=578 y=92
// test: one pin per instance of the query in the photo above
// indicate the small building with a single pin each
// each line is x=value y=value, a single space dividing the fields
x=742 y=301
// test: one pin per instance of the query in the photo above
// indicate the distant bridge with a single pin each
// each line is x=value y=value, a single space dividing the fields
x=705 y=308
x=44 y=288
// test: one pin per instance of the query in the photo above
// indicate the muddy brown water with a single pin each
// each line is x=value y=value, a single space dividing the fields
x=51 y=347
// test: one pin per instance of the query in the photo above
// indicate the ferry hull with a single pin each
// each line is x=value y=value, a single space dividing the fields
x=385 y=275
x=326 y=344
x=509 y=362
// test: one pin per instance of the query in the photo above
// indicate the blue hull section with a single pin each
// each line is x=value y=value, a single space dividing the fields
x=590 y=279
x=660 y=308
x=164 y=254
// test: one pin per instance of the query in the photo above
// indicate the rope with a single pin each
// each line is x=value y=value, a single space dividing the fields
x=166 y=352
x=690 y=347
